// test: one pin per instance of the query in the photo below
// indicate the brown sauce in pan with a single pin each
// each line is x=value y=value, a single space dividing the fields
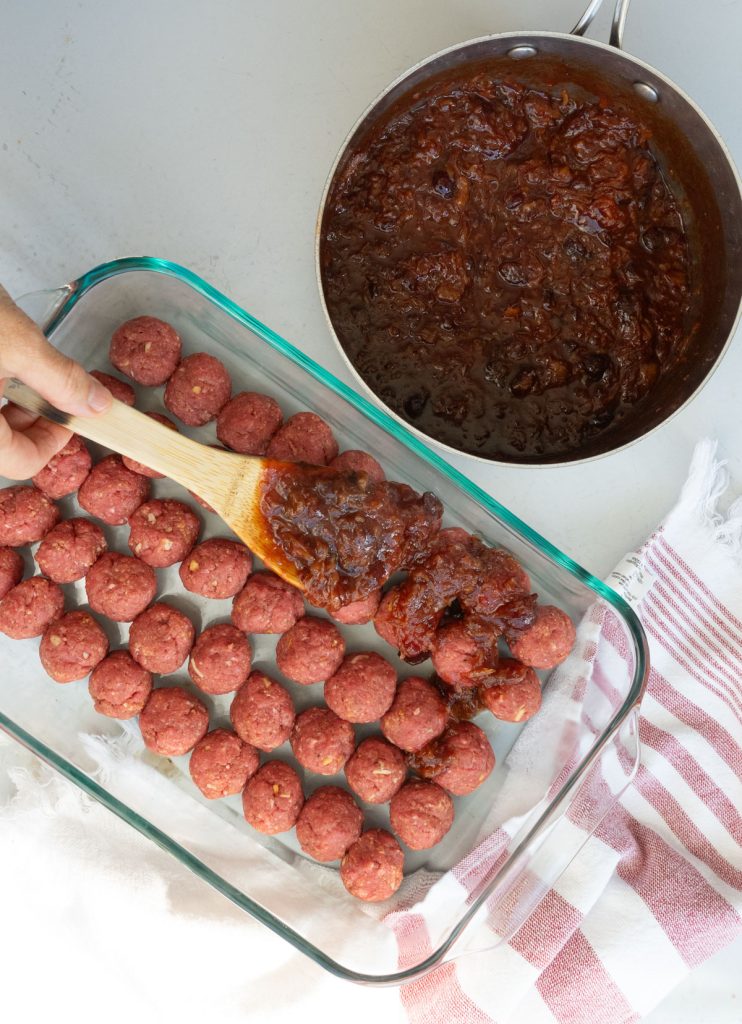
x=506 y=266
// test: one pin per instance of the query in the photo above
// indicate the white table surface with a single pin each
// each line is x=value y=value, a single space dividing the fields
x=203 y=131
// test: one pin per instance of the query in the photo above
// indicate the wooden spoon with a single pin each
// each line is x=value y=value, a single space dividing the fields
x=230 y=483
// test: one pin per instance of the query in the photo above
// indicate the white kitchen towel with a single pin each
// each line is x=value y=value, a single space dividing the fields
x=654 y=893
x=658 y=889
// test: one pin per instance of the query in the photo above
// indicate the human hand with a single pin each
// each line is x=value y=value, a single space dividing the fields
x=27 y=442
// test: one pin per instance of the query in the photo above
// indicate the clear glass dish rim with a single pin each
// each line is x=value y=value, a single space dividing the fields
x=74 y=291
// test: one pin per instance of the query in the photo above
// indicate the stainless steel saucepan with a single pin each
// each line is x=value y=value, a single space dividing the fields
x=695 y=157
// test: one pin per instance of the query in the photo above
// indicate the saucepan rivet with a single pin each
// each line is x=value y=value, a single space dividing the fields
x=519 y=52
x=647 y=92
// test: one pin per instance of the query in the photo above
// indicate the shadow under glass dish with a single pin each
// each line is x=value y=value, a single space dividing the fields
x=693 y=159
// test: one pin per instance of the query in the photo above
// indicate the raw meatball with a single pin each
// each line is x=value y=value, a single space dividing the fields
x=217 y=568
x=221 y=764
x=273 y=798
x=321 y=741
x=120 y=390
x=162 y=532
x=248 y=422
x=119 y=687
x=304 y=437
x=26 y=515
x=173 y=721
x=66 y=470
x=376 y=770
x=72 y=646
x=372 y=869
x=548 y=641
x=362 y=689
x=421 y=813
x=145 y=349
x=112 y=492
x=139 y=467
x=358 y=613
x=262 y=712
x=450 y=537
x=30 y=607
x=120 y=587
x=198 y=390
x=417 y=716
x=457 y=657
x=459 y=760
x=504 y=580
x=160 y=638
x=267 y=604
x=11 y=570
x=310 y=651
x=412 y=645
x=514 y=694
x=359 y=462
x=220 y=659
x=68 y=551
x=328 y=823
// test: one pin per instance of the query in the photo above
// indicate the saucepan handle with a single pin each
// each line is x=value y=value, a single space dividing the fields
x=617 y=25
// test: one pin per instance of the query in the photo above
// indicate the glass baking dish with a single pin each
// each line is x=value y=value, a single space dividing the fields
x=556 y=776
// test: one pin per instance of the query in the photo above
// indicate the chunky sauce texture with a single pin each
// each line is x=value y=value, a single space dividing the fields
x=506 y=266
x=344 y=534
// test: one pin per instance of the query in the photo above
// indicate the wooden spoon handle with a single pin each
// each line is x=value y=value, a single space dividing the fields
x=131 y=433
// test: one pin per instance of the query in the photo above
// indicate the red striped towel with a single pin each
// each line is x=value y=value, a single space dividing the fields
x=658 y=888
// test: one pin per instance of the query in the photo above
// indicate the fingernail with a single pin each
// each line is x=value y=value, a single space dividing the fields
x=99 y=398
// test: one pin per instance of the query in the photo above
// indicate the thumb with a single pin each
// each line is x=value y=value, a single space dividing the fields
x=25 y=353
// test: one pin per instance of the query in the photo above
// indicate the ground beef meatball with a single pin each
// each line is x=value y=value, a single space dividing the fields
x=354 y=461
x=217 y=568
x=30 y=607
x=417 y=715
x=267 y=604
x=311 y=651
x=70 y=549
x=459 y=760
x=358 y=613
x=173 y=721
x=120 y=587
x=450 y=537
x=248 y=422
x=548 y=641
x=220 y=659
x=273 y=798
x=221 y=763
x=362 y=689
x=112 y=492
x=26 y=515
x=139 y=467
x=504 y=579
x=372 y=869
x=120 y=390
x=328 y=823
x=119 y=687
x=321 y=741
x=457 y=657
x=145 y=349
x=413 y=644
x=421 y=813
x=162 y=532
x=376 y=770
x=11 y=570
x=160 y=638
x=198 y=390
x=262 y=712
x=513 y=694
x=304 y=437
x=66 y=470
x=72 y=646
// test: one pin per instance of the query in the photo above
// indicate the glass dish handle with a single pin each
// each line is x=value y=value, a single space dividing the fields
x=43 y=306
x=512 y=902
